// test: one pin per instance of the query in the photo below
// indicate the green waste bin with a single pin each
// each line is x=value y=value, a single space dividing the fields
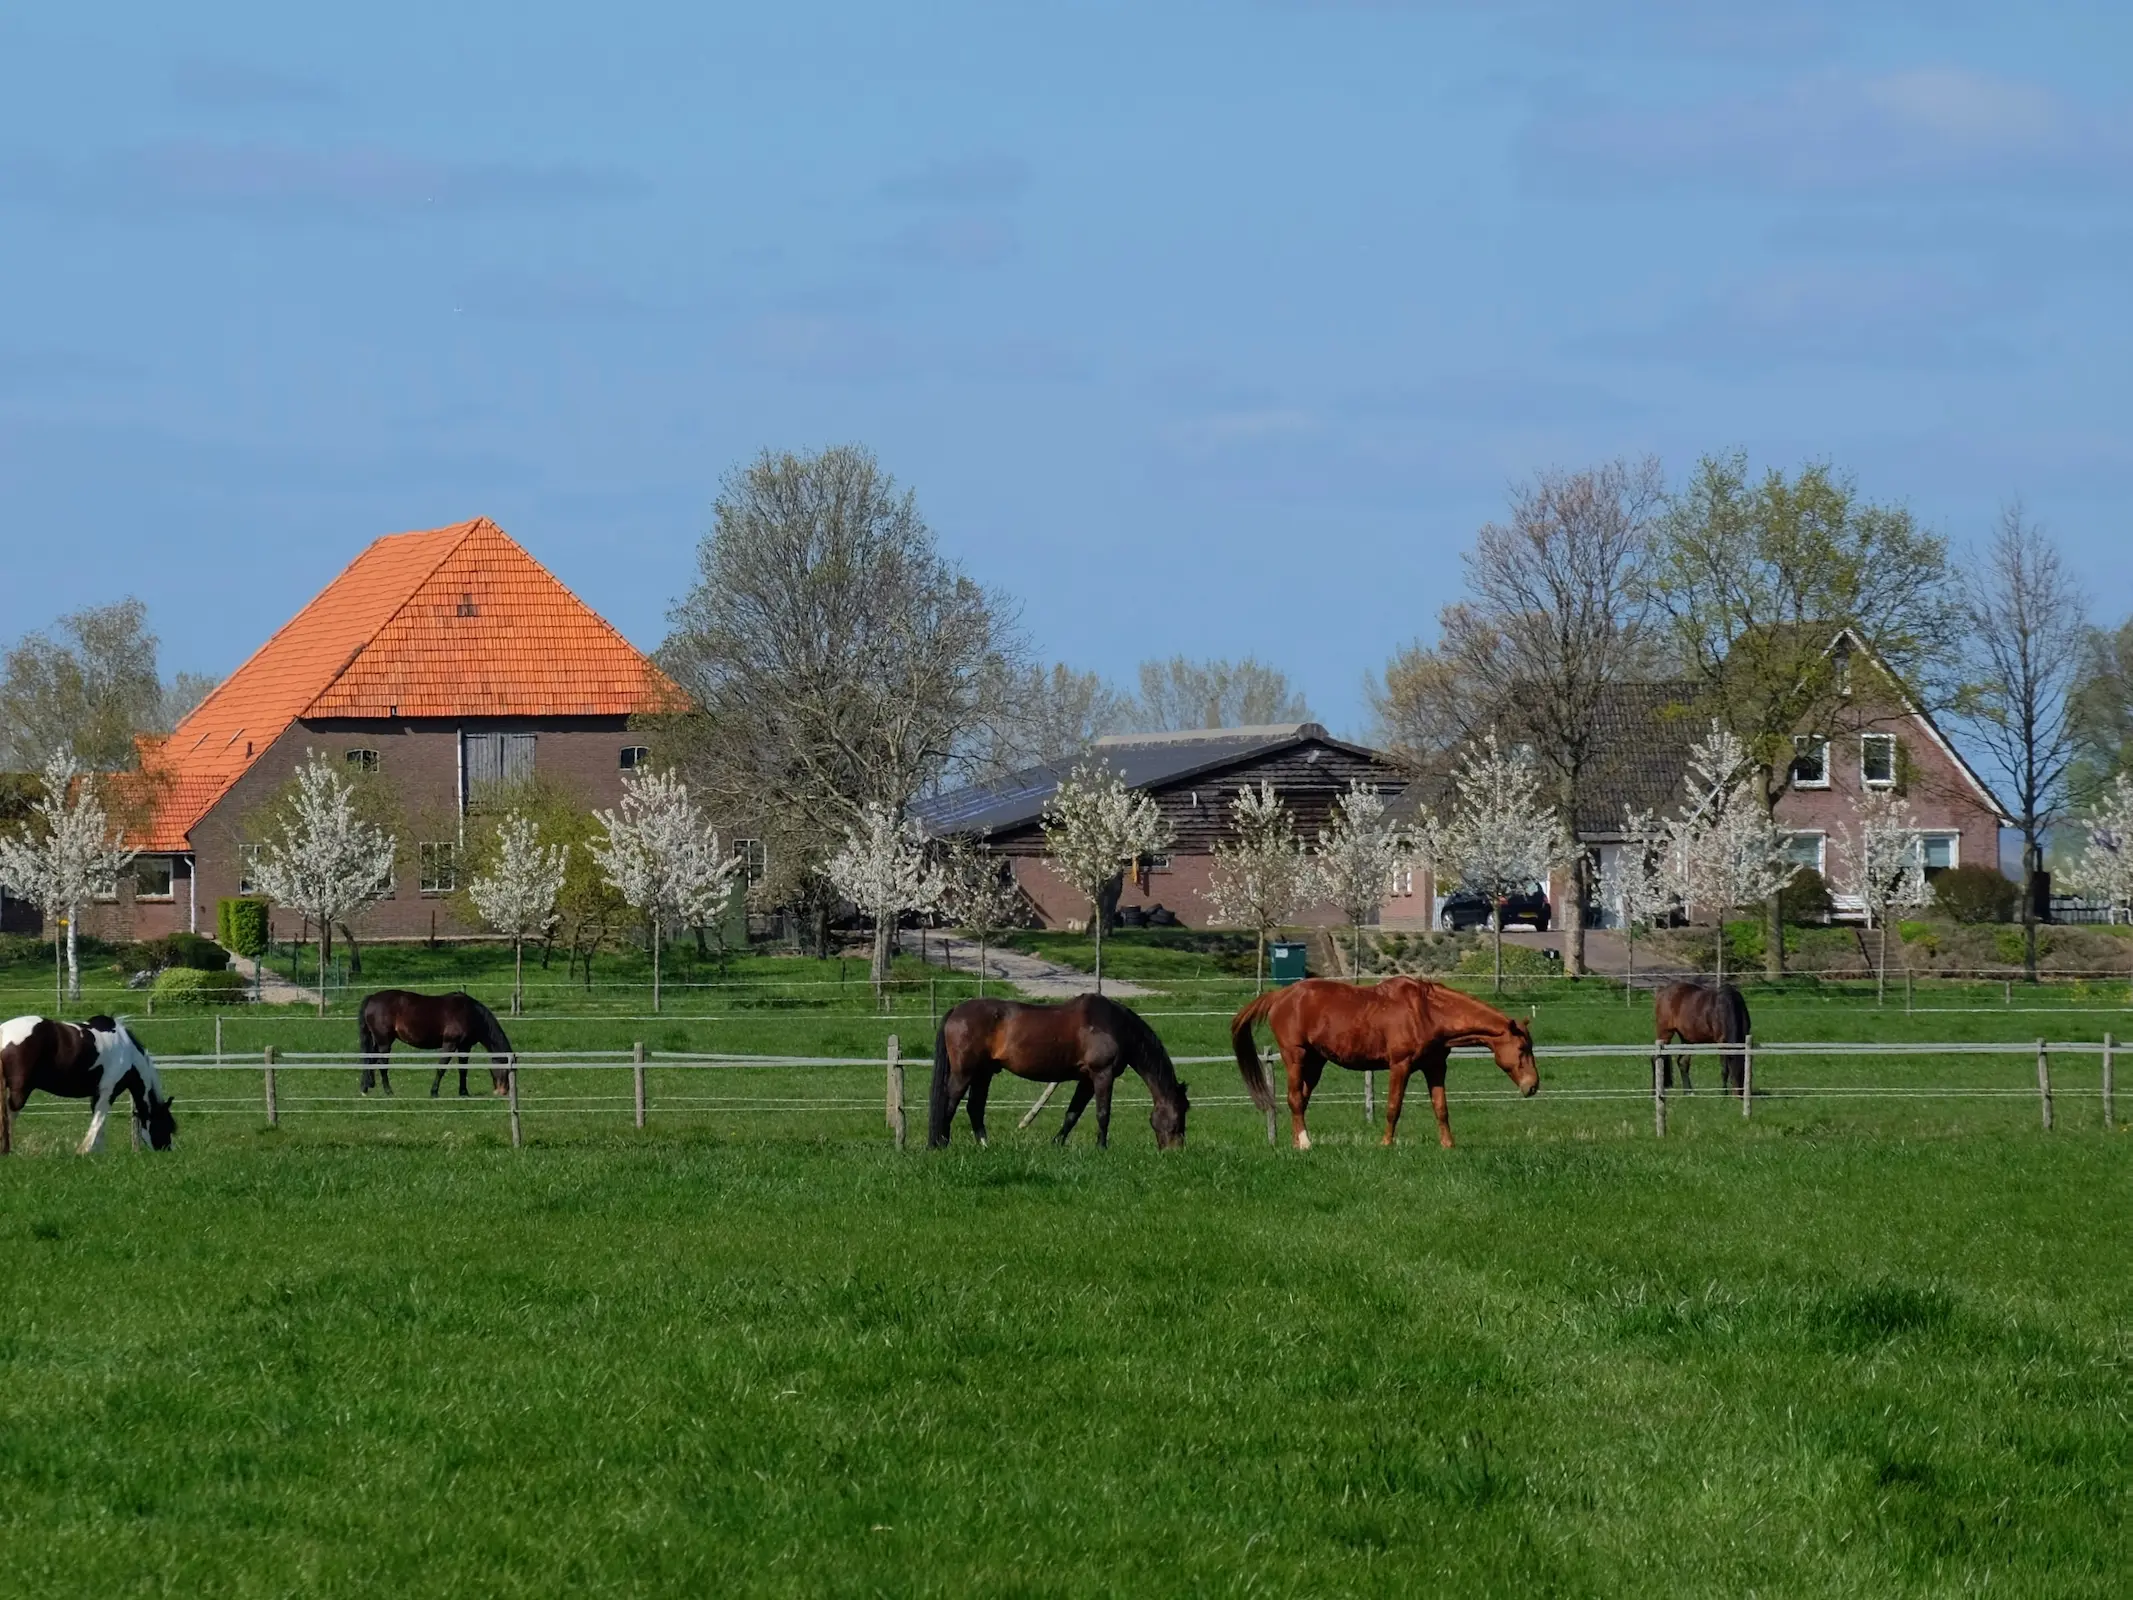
x=1286 y=957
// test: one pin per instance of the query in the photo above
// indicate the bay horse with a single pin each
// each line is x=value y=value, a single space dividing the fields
x=1697 y=1013
x=453 y=1023
x=1397 y=1026
x=91 y=1061
x=1087 y=1041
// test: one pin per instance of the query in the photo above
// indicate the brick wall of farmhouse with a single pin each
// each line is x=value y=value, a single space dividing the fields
x=1941 y=798
x=421 y=761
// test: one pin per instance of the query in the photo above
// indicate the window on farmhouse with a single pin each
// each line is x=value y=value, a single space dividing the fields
x=634 y=756
x=247 y=859
x=1940 y=849
x=1810 y=761
x=363 y=760
x=151 y=878
x=440 y=866
x=754 y=859
x=1877 y=760
x=1804 y=849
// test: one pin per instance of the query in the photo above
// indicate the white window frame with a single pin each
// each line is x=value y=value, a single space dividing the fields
x=1888 y=739
x=247 y=858
x=1403 y=881
x=1821 y=839
x=430 y=883
x=361 y=759
x=1801 y=744
x=632 y=757
x=1955 y=847
x=170 y=865
x=755 y=860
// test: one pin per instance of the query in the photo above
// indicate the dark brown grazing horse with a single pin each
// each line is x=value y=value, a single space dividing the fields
x=93 y=1061
x=453 y=1023
x=1696 y=1013
x=1087 y=1041
x=1394 y=1026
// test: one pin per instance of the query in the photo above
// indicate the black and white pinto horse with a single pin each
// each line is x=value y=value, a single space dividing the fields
x=93 y=1060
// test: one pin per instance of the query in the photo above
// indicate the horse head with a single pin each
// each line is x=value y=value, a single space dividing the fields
x=119 y=1052
x=1513 y=1049
x=1167 y=1117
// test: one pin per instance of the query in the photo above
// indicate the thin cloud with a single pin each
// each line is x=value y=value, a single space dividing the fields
x=274 y=182
x=1831 y=130
x=971 y=182
x=956 y=241
x=239 y=86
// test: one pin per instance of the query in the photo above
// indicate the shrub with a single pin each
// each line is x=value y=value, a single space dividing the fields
x=189 y=986
x=187 y=950
x=1977 y=894
x=241 y=925
x=17 y=948
x=1519 y=960
x=1806 y=899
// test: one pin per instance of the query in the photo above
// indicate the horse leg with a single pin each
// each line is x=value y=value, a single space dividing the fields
x=980 y=1092
x=1395 y=1097
x=463 y=1054
x=1433 y=1071
x=10 y=1103
x=1304 y=1069
x=444 y=1063
x=93 y=1140
x=1104 y=1080
x=1084 y=1092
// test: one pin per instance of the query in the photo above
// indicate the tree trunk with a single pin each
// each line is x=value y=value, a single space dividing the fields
x=323 y=941
x=1355 y=953
x=1574 y=920
x=1497 y=924
x=518 y=976
x=355 y=952
x=983 y=939
x=1629 y=963
x=2032 y=867
x=1774 y=938
x=655 y=964
x=59 y=965
x=1721 y=949
x=1100 y=919
x=1881 y=975
x=1259 y=964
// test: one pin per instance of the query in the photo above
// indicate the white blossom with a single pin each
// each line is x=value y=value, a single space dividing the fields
x=1502 y=835
x=517 y=895
x=1884 y=864
x=1722 y=850
x=660 y=854
x=1633 y=884
x=979 y=891
x=325 y=861
x=1356 y=860
x=1094 y=828
x=2104 y=869
x=1264 y=876
x=883 y=869
x=69 y=856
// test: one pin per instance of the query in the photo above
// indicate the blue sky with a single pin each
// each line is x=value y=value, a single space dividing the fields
x=1213 y=328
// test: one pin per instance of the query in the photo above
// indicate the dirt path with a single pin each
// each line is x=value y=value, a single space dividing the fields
x=274 y=989
x=1033 y=975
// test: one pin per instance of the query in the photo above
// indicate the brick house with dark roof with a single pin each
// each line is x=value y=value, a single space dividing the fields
x=438 y=660
x=1193 y=778
x=1884 y=740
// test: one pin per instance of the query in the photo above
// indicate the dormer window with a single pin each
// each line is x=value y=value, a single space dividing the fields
x=467 y=607
x=1810 y=761
x=1844 y=669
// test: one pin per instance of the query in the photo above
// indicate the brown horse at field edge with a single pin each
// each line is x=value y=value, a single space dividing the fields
x=453 y=1023
x=1087 y=1041
x=1697 y=1013
x=1397 y=1025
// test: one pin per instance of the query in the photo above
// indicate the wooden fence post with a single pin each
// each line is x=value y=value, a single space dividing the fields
x=2109 y=1114
x=2044 y=1084
x=511 y=1078
x=1658 y=1095
x=1747 y=1071
x=218 y=1038
x=273 y=1109
x=896 y=1091
x=637 y=1077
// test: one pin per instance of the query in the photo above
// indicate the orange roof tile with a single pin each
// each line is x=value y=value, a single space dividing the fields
x=454 y=622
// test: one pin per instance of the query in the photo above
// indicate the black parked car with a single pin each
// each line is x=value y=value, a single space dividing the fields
x=1466 y=909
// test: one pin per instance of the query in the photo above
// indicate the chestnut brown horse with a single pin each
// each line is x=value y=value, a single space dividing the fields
x=1088 y=1042
x=1697 y=1013
x=453 y=1023
x=1394 y=1026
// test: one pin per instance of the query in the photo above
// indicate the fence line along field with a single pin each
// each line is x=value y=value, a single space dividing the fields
x=1872 y=1338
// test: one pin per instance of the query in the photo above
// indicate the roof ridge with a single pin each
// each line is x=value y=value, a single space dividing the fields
x=465 y=530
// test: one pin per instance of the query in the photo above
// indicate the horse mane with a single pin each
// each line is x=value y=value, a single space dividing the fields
x=1150 y=1054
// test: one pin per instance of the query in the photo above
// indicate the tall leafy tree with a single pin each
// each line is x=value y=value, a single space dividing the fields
x=884 y=869
x=2102 y=710
x=322 y=858
x=1181 y=694
x=2024 y=630
x=66 y=855
x=86 y=688
x=662 y=855
x=1756 y=579
x=1556 y=613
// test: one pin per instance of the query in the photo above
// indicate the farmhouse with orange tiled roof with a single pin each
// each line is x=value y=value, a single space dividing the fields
x=441 y=661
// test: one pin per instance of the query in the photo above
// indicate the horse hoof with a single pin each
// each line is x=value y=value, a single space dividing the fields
x=1303 y=1140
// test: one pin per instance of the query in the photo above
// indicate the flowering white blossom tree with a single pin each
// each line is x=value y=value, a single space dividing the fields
x=883 y=870
x=324 y=861
x=1094 y=828
x=517 y=894
x=68 y=856
x=1263 y=877
x=1633 y=886
x=2104 y=869
x=1885 y=866
x=1501 y=835
x=659 y=853
x=1723 y=850
x=1356 y=859
x=980 y=893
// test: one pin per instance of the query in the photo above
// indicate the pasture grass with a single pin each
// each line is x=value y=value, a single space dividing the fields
x=1798 y=1357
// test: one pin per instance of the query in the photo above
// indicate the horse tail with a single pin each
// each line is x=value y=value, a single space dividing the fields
x=940 y=1105
x=1249 y=1066
x=1737 y=1023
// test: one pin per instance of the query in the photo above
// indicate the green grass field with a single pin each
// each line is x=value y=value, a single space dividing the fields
x=1853 y=1345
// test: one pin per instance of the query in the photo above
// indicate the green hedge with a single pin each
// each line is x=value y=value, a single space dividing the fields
x=189 y=986
x=241 y=925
